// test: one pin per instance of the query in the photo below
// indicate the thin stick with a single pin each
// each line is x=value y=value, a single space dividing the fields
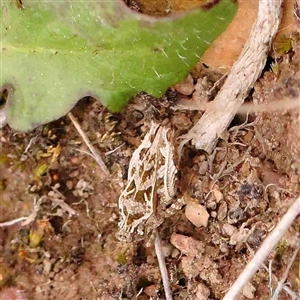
x=163 y=268
x=89 y=144
x=285 y=104
x=285 y=287
x=270 y=276
x=267 y=246
x=85 y=152
x=285 y=275
x=30 y=143
x=291 y=293
x=114 y=150
x=13 y=222
x=245 y=71
x=36 y=208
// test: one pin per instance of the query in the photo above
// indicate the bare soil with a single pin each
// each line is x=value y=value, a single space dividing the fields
x=71 y=249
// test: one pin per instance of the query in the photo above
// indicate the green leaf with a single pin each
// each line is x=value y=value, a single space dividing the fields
x=56 y=52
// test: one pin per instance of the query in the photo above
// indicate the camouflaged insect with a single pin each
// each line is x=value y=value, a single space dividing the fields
x=151 y=184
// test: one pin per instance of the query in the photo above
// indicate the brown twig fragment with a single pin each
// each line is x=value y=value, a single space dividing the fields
x=244 y=73
x=96 y=156
x=265 y=249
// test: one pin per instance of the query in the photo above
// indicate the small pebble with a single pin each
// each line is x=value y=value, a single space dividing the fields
x=224 y=248
x=249 y=290
x=229 y=229
x=203 y=168
x=186 y=87
x=47 y=266
x=150 y=290
x=196 y=214
x=211 y=203
x=218 y=195
x=213 y=214
x=74 y=160
x=175 y=253
x=166 y=249
x=222 y=211
x=47 y=254
x=202 y=292
x=69 y=184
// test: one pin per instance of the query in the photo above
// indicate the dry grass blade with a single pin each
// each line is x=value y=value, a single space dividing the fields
x=89 y=144
x=265 y=249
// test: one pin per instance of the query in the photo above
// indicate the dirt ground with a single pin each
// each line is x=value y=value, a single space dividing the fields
x=70 y=250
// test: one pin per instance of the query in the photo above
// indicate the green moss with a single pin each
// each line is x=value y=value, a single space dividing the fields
x=122 y=259
x=280 y=249
x=283 y=46
x=3 y=158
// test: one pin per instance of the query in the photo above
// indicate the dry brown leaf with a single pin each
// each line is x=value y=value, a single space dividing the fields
x=227 y=48
x=163 y=7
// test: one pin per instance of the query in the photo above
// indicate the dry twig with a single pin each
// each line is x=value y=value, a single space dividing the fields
x=285 y=275
x=36 y=208
x=13 y=222
x=89 y=144
x=163 y=268
x=285 y=104
x=244 y=73
x=267 y=246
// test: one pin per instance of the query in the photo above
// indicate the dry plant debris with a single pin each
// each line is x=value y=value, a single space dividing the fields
x=240 y=80
x=96 y=156
x=265 y=249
